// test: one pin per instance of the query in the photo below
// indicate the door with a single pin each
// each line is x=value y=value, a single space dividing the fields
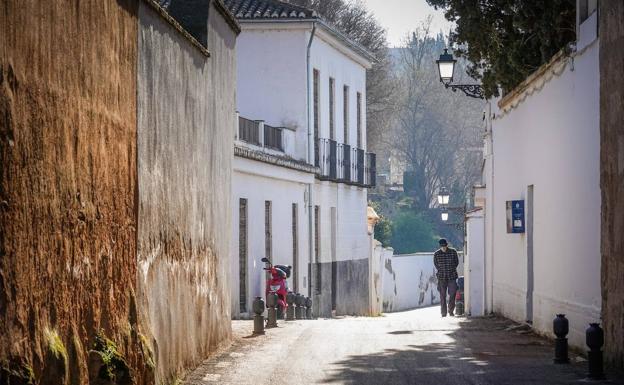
x=334 y=278
x=529 y=234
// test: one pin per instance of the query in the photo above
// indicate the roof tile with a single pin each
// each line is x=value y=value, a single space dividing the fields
x=268 y=9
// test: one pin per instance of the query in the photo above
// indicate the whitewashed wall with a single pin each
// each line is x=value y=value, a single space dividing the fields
x=379 y=256
x=271 y=79
x=330 y=62
x=474 y=267
x=409 y=281
x=550 y=140
x=259 y=182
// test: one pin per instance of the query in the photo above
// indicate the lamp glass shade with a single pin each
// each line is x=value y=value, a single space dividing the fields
x=443 y=196
x=446 y=66
x=444 y=216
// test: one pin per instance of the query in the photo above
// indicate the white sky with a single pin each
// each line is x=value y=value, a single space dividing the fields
x=399 y=17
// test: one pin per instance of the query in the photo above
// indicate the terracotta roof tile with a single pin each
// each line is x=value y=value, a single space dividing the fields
x=268 y=9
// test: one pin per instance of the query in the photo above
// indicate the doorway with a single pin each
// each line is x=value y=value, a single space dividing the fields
x=530 y=271
x=334 y=265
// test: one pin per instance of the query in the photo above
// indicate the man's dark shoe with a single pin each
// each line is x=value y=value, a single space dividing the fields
x=452 y=314
x=443 y=315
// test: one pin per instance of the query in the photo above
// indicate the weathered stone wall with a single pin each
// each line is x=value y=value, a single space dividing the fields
x=67 y=189
x=612 y=175
x=352 y=287
x=186 y=112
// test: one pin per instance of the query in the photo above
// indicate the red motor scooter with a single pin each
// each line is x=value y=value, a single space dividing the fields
x=276 y=284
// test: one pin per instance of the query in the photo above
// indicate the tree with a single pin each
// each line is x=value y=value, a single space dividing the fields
x=412 y=233
x=438 y=133
x=506 y=40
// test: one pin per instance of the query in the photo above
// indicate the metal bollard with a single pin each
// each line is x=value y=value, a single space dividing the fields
x=561 y=329
x=594 y=338
x=308 y=304
x=258 y=308
x=299 y=301
x=290 y=300
x=272 y=311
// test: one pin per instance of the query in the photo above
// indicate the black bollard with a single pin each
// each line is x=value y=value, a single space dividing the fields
x=272 y=311
x=290 y=311
x=594 y=338
x=300 y=302
x=308 y=305
x=258 y=308
x=561 y=329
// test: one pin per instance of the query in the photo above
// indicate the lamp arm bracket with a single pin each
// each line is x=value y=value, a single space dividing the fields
x=472 y=90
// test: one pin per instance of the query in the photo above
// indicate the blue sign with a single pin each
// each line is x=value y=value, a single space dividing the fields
x=515 y=216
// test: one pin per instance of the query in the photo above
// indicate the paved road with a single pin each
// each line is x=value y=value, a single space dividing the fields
x=413 y=347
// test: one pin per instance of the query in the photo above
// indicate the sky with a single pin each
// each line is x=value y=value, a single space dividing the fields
x=399 y=17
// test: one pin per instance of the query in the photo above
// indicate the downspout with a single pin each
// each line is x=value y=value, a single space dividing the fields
x=310 y=161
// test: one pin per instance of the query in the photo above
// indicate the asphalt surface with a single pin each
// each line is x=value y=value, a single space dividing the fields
x=412 y=347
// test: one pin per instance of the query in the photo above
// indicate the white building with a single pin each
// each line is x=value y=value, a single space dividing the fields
x=301 y=170
x=543 y=148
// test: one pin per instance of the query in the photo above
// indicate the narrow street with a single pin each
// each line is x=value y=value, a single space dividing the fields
x=412 y=347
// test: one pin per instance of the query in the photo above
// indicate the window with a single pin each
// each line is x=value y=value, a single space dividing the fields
x=359 y=120
x=295 y=250
x=332 y=108
x=345 y=113
x=315 y=90
x=268 y=236
x=242 y=254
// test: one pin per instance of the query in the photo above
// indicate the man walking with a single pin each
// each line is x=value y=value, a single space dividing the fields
x=446 y=262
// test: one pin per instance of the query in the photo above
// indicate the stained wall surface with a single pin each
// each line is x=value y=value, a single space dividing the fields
x=67 y=185
x=612 y=176
x=186 y=111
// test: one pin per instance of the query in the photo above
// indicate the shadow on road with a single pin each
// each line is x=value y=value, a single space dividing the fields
x=478 y=351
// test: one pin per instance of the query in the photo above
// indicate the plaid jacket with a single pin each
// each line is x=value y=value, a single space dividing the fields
x=446 y=263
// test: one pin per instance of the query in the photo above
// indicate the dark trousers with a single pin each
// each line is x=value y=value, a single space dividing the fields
x=445 y=285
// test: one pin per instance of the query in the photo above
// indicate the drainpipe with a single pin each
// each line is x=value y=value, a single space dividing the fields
x=310 y=161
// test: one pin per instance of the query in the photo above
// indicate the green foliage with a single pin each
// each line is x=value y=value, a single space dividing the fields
x=383 y=231
x=16 y=370
x=412 y=233
x=55 y=344
x=506 y=40
x=114 y=366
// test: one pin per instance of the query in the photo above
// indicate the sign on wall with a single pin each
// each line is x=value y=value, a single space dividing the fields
x=515 y=216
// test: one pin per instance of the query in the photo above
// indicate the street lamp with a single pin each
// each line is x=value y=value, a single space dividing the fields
x=443 y=196
x=446 y=69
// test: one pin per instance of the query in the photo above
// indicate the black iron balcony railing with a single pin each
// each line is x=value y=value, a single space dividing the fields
x=249 y=131
x=273 y=137
x=340 y=162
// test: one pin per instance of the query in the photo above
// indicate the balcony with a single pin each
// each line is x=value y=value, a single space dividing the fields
x=257 y=133
x=339 y=162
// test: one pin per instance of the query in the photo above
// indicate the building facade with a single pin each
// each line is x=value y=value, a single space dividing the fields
x=542 y=148
x=301 y=170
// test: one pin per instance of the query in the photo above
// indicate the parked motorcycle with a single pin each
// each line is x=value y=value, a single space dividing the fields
x=277 y=284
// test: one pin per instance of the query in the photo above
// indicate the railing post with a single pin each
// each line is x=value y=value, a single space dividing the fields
x=373 y=170
x=261 y=132
x=237 y=126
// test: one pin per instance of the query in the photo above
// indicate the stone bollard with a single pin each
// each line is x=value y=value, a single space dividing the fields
x=308 y=304
x=594 y=338
x=258 y=308
x=290 y=300
x=561 y=329
x=272 y=311
x=299 y=311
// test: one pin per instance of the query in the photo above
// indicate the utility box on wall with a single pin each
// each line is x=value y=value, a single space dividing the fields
x=515 y=216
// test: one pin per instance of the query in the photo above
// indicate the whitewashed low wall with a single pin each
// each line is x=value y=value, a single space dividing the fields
x=409 y=281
